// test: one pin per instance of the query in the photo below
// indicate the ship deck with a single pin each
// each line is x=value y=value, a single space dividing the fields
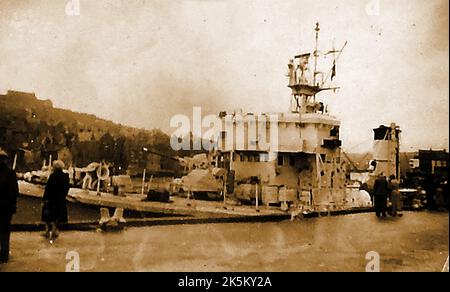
x=177 y=205
x=179 y=209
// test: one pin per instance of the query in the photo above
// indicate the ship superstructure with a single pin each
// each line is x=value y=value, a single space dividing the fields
x=292 y=158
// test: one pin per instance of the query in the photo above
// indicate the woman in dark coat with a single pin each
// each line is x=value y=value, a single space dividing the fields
x=380 y=193
x=54 y=210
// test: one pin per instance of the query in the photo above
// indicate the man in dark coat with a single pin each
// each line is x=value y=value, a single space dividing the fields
x=54 y=211
x=380 y=194
x=9 y=190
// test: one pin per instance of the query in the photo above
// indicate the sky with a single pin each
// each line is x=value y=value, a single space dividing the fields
x=141 y=62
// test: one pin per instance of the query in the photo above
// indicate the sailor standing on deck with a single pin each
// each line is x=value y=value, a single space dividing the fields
x=9 y=190
x=380 y=194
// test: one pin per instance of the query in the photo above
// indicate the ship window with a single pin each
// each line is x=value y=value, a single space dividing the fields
x=439 y=163
x=292 y=160
x=264 y=157
x=280 y=159
x=334 y=132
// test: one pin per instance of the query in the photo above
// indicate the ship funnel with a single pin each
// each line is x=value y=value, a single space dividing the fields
x=386 y=150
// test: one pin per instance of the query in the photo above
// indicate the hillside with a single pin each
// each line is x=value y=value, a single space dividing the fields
x=34 y=129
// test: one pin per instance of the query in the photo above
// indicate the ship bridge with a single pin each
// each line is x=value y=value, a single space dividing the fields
x=293 y=156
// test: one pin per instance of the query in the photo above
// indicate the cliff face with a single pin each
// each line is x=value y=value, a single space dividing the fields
x=34 y=129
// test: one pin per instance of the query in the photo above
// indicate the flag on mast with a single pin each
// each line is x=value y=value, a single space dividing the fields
x=333 y=70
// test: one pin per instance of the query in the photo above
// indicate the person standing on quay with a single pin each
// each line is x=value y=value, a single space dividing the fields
x=396 y=199
x=9 y=190
x=54 y=210
x=380 y=193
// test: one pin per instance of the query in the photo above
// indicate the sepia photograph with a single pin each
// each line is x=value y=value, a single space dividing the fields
x=236 y=136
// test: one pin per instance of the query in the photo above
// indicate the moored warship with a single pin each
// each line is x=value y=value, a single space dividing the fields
x=293 y=163
x=303 y=167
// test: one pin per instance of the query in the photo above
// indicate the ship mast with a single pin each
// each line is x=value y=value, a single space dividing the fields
x=303 y=90
x=316 y=54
